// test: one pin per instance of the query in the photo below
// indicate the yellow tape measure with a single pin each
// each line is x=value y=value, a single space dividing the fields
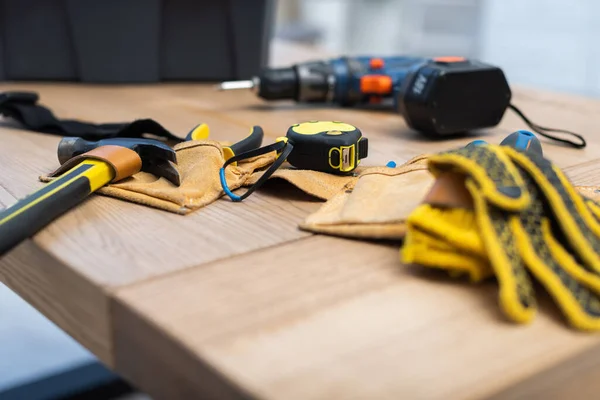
x=328 y=146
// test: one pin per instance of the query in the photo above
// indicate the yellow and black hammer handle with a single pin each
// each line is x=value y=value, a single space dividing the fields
x=75 y=180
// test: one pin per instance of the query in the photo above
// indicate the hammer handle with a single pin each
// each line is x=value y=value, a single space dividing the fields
x=31 y=214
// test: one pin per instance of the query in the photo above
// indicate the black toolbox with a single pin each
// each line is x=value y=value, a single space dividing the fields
x=122 y=41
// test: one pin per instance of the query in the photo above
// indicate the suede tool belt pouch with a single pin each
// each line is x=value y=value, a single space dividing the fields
x=376 y=204
x=198 y=163
x=496 y=211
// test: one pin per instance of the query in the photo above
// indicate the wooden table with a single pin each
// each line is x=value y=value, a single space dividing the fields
x=234 y=301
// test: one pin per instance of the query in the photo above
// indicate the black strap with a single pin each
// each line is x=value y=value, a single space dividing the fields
x=544 y=131
x=286 y=148
x=24 y=107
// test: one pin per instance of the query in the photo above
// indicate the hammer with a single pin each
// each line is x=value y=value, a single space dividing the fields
x=86 y=167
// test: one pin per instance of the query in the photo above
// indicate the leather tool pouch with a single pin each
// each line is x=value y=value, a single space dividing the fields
x=375 y=205
x=198 y=163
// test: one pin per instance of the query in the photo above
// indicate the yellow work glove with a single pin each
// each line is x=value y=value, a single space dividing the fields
x=496 y=211
x=374 y=205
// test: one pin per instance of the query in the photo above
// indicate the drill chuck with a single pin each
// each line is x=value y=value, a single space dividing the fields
x=308 y=82
x=278 y=84
x=272 y=84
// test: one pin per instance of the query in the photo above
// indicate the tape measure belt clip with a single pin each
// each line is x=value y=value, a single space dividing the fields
x=343 y=158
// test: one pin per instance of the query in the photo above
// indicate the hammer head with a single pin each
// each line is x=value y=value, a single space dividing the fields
x=156 y=156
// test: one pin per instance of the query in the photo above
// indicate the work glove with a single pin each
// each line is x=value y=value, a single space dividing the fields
x=375 y=204
x=497 y=211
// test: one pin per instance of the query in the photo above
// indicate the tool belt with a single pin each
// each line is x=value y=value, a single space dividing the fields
x=198 y=164
x=496 y=211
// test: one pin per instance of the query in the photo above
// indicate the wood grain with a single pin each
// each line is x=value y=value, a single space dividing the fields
x=114 y=244
x=6 y=199
x=577 y=377
x=585 y=173
x=314 y=320
x=143 y=358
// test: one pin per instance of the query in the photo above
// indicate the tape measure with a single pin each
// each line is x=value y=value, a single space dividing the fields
x=329 y=146
x=334 y=147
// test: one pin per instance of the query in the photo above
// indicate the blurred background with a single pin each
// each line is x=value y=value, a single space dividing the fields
x=547 y=44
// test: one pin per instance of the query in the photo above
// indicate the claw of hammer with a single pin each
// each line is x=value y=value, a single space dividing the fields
x=156 y=156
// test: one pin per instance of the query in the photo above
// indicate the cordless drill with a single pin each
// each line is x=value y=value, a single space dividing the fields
x=437 y=96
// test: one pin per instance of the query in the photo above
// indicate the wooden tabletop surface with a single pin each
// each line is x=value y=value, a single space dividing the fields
x=234 y=301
